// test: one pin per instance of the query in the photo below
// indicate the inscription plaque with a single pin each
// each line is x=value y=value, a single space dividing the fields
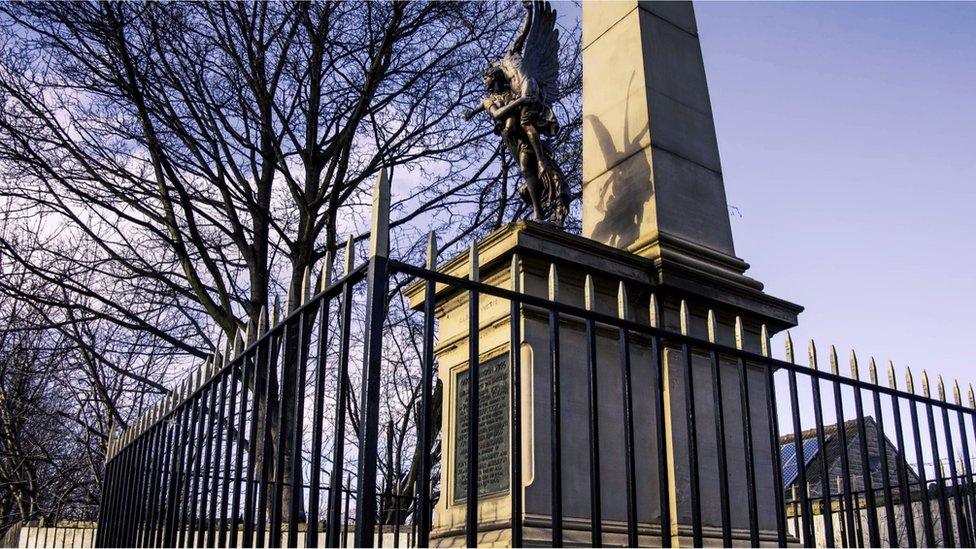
x=493 y=468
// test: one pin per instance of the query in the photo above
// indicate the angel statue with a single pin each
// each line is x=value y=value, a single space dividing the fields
x=522 y=86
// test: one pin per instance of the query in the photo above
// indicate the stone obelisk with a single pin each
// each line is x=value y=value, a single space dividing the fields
x=652 y=185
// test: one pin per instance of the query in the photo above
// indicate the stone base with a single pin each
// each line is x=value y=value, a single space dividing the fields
x=538 y=246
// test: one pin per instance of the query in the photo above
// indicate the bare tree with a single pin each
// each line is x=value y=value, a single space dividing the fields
x=171 y=167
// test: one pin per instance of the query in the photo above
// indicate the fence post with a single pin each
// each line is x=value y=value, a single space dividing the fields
x=376 y=286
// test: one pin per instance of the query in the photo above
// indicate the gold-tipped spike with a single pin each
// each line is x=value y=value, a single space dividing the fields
x=956 y=394
x=972 y=397
x=941 y=388
x=239 y=342
x=873 y=371
x=909 y=381
x=710 y=323
x=474 y=273
x=834 y=366
x=219 y=342
x=290 y=299
x=379 y=239
x=788 y=344
x=306 y=286
x=247 y=336
x=553 y=282
x=229 y=349
x=350 y=256
x=739 y=334
x=589 y=294
x=684 y=320
x=812 y=354
x=623 y=307
x=276 y=312
x=925 y=384
x=262 y=322
x=855 y=371
x=197 y=378
x=431 y=251
x=892 y=378
x=654 y=312
x=515 y=272
x=325 y=273
x=764 y=347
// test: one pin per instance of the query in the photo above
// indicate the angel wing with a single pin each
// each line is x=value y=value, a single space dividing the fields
x=540 y=60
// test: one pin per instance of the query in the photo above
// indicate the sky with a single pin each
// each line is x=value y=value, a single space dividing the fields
x=847 y=134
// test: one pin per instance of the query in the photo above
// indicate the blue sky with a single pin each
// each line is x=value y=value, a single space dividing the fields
x=847 y=133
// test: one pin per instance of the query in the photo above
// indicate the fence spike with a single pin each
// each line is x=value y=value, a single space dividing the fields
x=239 y=341
x=262 y=322
x=956 y=393
x=589 y=294
x=788 y=344
x=350 y=256
x=683 y=318
x=325 y=274
x=812 y=354
x=289 y=299
x=474 y=273
x=379 y=239
x=306 y=286
x=515 y=273
x=834 y=366
x=972 y=397
x=855 y=370
x=892 y=379
x=873 y=371
x=764 y=341
x=276 y=312
x=909 y=381
x=553 y=282
x=654 y=311
x=710 y=324
x=941 y=388
x=320 y=279
x=622 y=304
x=247 y=336
x=739 y=335
x=925 y=384
x=431 y=251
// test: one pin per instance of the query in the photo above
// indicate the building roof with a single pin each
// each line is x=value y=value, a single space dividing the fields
x=812 y=460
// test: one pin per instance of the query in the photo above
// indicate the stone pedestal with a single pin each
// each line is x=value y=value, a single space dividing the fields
x=538 y=246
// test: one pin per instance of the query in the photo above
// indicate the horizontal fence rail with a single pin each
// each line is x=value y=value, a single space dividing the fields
x=280 y=440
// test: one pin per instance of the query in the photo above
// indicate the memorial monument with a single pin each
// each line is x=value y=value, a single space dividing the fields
x=656 y=219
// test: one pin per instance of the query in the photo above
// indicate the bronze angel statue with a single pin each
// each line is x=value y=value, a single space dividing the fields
x=522 y=86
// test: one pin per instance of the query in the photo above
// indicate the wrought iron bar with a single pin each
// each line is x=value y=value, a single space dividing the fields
x=826 y=502
x=689 y=378
x=339 y=427
x=315 y=469
x=422 y=515
x=376 y=286
x=555 y=420
x=630 y=467
x=515 y=361
x=474 y=385
x=718 y=405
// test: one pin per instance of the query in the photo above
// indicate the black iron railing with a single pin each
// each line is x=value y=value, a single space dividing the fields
x=213 y=465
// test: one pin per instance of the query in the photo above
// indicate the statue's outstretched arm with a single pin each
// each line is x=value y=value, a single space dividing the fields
x=498 y=113
x=516 y=46
x=466 y=115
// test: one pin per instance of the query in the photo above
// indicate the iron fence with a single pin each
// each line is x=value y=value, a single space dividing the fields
x=854 y=462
